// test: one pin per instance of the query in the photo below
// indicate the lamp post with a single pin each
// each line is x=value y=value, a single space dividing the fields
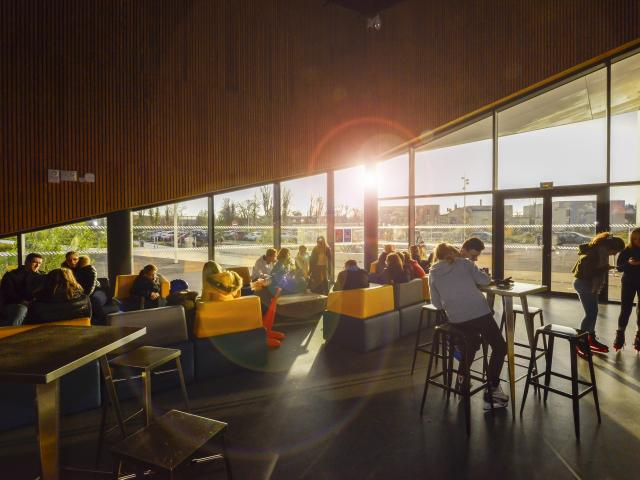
x=465 y=183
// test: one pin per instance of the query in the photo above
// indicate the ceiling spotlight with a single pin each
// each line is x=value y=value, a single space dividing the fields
x=375 y=23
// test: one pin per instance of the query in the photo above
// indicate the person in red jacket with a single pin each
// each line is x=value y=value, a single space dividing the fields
x=412 y=267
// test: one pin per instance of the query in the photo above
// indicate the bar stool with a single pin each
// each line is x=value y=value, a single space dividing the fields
x=145 y=359
x=435 y=316
x=567 y=333
x=446 y=334
x=533 y=311
x=169 y=446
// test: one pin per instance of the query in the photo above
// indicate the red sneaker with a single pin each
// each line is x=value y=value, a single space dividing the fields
x=597 y=346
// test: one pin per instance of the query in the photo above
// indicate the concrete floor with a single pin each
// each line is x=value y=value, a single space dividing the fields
x=326 y=413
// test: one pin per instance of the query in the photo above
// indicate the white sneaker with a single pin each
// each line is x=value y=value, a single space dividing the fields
x=496 y=404
x=498 y=394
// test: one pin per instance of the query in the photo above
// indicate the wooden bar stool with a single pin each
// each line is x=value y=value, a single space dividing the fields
x=435 y=317
x=567 y=333
x=169 y=446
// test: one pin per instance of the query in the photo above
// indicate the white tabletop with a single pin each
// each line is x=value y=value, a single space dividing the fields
x=517 y=289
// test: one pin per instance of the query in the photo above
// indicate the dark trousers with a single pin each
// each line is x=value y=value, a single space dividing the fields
x=487 y=327
x=629 y=292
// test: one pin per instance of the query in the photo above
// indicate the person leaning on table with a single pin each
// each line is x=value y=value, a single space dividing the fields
x=453 y=283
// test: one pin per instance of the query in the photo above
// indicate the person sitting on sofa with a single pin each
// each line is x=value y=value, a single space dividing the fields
x=413 y=268
x=219 y=284
x=61 y=298
x=19 y=287
x=382 y=259
x=264 y=265
x=284 y=276
x=87 y=276
x=70 y=260
x=146 y=286
x=394 y=271
x=351 y=277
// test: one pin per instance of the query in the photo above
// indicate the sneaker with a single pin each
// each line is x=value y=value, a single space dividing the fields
x=597 y=346
x=457 y=354
x=636 y=342
x=491 y=402
x=618 y=343
x=498 y=394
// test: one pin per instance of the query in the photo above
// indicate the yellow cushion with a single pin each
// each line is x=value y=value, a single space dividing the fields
x=244 y=273
x=76 y=322
x=219 y=318
x=372 y=266
x=425 y=288
x=362 y=302
x=124 y=283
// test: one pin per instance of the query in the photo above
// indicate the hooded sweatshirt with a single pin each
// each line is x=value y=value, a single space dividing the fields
x=454 y=288
x=219 y=284
x=592 y=265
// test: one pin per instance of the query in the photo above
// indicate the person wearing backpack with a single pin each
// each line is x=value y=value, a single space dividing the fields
x=629 y=264
x=590 y=272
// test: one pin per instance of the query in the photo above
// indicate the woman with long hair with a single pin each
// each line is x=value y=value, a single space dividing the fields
x=320 y=267
x=61 y=298
x=590 y=272
x=219 y=284
x=629 y=264
x=413 y=267
x=453 y=283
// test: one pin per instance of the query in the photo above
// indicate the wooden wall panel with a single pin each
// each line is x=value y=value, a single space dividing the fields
x=168 y=99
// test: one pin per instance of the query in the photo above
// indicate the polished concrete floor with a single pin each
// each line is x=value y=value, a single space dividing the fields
x=326 y=413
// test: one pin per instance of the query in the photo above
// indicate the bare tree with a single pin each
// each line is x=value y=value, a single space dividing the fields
x=286 y=203
x=267 y=200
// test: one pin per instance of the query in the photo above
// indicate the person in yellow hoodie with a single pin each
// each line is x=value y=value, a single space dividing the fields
x=219 y=284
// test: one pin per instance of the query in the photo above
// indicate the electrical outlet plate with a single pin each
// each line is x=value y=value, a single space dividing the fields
x=68 y=175
x=53 y=176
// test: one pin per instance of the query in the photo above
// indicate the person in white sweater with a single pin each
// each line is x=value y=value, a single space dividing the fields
x=453 y=283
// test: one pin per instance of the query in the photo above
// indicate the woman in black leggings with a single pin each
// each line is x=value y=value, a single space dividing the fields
x=629 y=264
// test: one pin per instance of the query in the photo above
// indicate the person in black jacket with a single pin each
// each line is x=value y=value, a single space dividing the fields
x=87 y=276
x=146 y=287
x=394 y=273
x=61 y=298
x=19 y=287
x=351 y=277
x=629 y=264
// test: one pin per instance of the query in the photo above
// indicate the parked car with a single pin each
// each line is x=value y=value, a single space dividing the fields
x=571 y=238
x=253 y=236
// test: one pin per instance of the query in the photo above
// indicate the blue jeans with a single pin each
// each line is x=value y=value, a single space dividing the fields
x=589 y=302
x=14 y=314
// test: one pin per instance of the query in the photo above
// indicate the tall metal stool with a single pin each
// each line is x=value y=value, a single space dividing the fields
x=533 y=311
x=169 y=446
x=447 y=333
x=145 y=359
x=435 y=316
x=567 y=333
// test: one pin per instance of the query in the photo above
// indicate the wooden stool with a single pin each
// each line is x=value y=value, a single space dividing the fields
x=435 y=317
x=169 y=445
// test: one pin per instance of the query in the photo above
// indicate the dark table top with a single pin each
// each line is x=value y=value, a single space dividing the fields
x=170 y=440
x=46 y=353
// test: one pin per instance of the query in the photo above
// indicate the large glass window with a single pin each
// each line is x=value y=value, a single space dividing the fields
x=460 y=161
x=624 y=217
x=393 y=177
x=349 y=215
x=559 y=136
x=243 y=225
x=454 y=219
x=625 y=120
x=174 y=238
x=8 y=254
x=393 y=224
x=303 y=208
x=523 y=239
x=87 y=238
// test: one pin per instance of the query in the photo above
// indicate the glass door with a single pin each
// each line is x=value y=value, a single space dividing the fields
x=523 y=239
x=573 y=222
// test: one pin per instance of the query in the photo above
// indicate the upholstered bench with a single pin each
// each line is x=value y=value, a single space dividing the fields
x=409 y=300
x=301 y=305
x=362 y=319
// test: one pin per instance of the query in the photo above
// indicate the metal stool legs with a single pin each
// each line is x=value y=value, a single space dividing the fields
x=421 y=347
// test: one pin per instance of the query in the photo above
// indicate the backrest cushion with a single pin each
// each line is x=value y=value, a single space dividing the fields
x=244 y=273
x=362 y=302
x=220 y=318
x=409 y=293
x=165 y=325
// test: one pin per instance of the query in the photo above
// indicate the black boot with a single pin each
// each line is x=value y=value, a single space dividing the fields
x=618 y=343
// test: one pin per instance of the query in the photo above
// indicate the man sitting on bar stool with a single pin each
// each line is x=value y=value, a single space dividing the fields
x=453 y=284
x=472 y=248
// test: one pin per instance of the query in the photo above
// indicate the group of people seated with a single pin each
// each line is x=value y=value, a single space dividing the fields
x=71 y=291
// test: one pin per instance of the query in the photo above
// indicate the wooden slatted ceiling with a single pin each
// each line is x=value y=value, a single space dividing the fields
x=169 y=99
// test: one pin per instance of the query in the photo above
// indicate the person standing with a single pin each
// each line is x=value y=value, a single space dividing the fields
x=320 y=267
x=19 y=287
x=629 y=264
x=302 y=261
x=590 y=272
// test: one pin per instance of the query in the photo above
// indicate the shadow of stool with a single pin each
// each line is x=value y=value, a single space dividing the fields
x=573 y=337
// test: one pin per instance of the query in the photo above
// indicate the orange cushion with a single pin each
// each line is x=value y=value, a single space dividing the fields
x=425 y=288
x=372 y=266
x=244 y=273
x=124 y=283
x=219 y=318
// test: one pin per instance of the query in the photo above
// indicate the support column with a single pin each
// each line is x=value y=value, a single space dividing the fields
x=370 y=216
x=277 y=220
x=331 y=222
x=119 y=244
x=211 y=236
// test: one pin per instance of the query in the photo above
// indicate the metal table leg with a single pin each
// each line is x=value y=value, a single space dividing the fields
x=148 y=408
x=48 y=406
x=507 y=303
x=111 y=391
